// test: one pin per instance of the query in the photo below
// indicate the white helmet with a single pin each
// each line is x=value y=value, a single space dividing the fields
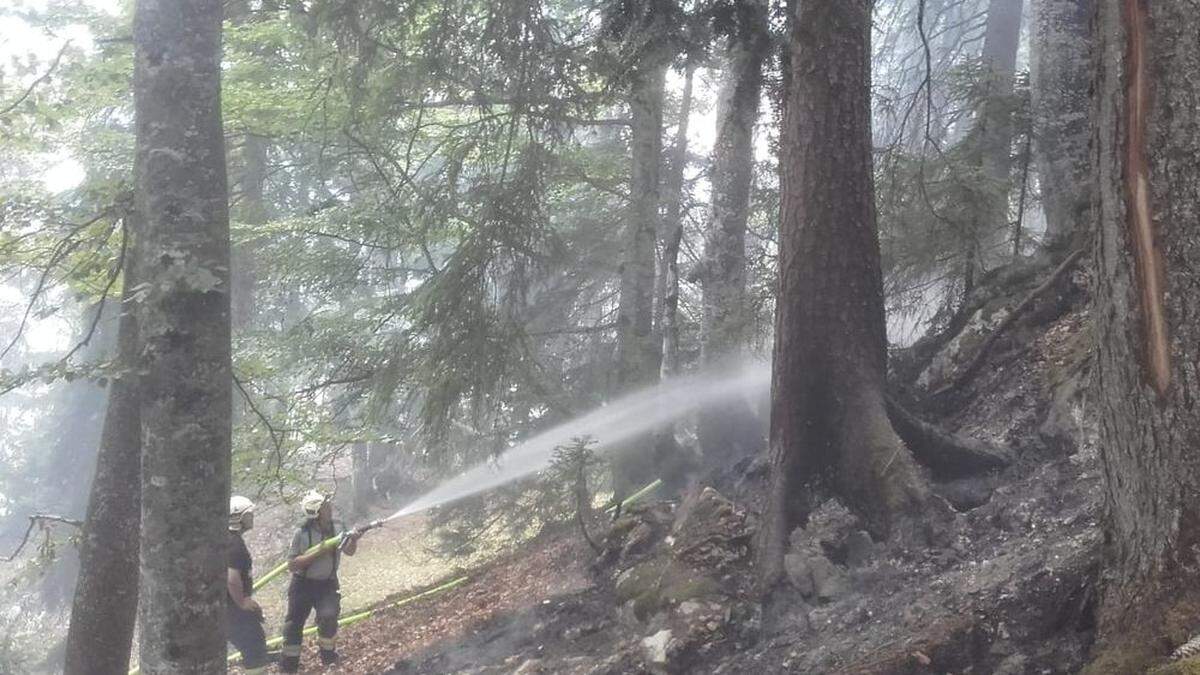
x=238 y=506
x=312 y=502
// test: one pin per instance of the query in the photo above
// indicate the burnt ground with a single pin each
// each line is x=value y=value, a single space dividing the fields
x=1010 y=592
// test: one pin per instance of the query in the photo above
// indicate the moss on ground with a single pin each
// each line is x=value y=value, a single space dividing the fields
x=1185 y=667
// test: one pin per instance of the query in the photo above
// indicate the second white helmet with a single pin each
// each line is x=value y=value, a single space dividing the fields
x=312 y=502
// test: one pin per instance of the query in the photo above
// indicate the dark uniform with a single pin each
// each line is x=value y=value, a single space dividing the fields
x=245 y=628
x=314 y=588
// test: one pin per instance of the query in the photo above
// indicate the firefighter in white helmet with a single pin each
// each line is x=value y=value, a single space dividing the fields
x=314 y=584
x=243 y=614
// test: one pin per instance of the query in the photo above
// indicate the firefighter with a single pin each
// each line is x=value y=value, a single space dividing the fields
x=244 y=616
x=314 y=584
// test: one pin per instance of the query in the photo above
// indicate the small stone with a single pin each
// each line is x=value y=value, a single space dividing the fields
x=655 y=647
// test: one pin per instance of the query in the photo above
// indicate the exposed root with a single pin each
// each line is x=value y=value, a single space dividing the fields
x=947 y=455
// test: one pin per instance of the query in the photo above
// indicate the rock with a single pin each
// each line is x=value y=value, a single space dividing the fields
x=859 y=549
x=828 y=582
x=799 y=574
x=710 y=531
x=655 y=647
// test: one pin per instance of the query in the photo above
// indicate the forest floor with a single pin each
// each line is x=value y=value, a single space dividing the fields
x=1010 y=592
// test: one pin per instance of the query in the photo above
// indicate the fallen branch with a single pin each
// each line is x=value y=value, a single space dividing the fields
x=42 y=518
x=981 y=355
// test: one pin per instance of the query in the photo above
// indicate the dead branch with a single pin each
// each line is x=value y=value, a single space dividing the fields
x=980 y=355
x=41 y=518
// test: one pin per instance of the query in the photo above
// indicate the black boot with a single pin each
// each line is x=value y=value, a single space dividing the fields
x=289 y=664
x=329 y=657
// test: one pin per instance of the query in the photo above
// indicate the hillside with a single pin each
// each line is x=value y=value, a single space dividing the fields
x=1010 y=591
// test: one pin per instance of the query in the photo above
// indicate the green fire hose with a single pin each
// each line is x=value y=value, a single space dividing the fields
x=330 y=543
x=362 y=615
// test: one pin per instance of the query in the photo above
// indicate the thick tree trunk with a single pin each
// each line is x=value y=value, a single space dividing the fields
x=100 y=635
x=829 y=419
x=1147 y=201
x=638 y=356
x=673 y=234
x=1059 y=72
x=730 y=431
x=184 y=326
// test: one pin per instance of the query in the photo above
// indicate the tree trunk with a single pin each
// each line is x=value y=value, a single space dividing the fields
x=993 y=134
x=829 y=420
x=673 y=234
x=253 y=212
x=638 y=355
x=1060 y=80
x=74 y=432
x=100 y=635
x=1147 y=201
x=730 y=430
x=184 y=325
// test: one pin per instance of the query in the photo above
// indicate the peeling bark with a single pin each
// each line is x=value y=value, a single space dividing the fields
x=184 y=325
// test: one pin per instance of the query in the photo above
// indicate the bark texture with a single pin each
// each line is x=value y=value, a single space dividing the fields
x=1060 y=80
x=104 y=610
x=184 y=326
x=1147 y=201
x=829 y=422
x=731 y=431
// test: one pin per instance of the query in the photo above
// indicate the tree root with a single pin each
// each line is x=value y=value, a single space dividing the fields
x=947 y=455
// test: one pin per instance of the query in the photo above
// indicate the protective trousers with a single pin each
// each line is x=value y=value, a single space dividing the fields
x=304 y=596
x=246 y=635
